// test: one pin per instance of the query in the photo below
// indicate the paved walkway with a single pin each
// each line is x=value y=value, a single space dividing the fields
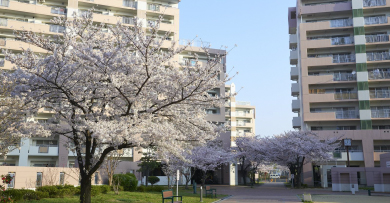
x=277 y=192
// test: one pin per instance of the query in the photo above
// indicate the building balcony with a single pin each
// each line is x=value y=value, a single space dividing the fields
x=294 y=57
x=43 y=151
x=296 y=105
x=128 y=4
x=333 y=97
x=378 y=56
x=243 y=103
x=293 y=41
x=347 y=114
x=166 y=9
x=375 y=20
x=17 y=45
x=32 y=8
x=377 y=38
x=330 y=59
x=385 y=113
x=379 y=74
x=19 y=25
x=332 y=116
x=294 y=73
x=294 y=89
x=243 y=124
x=344 y=77
x=296 y=122
x=326 y=7
x=109 y=19
x=374 y=3
x=379 y=94
x=242 y=114
x=346 y=95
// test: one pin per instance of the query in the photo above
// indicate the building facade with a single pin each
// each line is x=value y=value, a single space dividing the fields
x=36 y=15
x=339 y=52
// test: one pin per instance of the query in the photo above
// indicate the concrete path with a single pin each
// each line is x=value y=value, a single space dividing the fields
x=277 y=192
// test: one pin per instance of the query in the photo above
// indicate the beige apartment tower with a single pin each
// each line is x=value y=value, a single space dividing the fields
x=340 y=57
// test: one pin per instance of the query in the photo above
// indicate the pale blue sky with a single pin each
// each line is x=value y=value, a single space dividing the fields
x=260 y=29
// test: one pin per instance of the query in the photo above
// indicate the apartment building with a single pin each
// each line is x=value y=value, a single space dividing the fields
x=241 y=118
x=36 y=15
x=340 y=57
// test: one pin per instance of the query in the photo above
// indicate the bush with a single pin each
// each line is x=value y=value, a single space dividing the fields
x=42 y=195
x=153 y=180
x=120 y=188
x=105 y=188
x=128 y=181
x=141 y=188
x=157 y=188
x=23 y=194
x=59 y=190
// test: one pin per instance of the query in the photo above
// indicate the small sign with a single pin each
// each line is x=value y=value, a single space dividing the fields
x=388 y=164
x=178 y=175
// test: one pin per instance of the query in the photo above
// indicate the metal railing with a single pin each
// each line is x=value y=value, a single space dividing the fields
x=377 y=38
x=344 y=77
x=379 y=74
x=57 y=28
x=379 y=93
x=347 y=114
x=243 y=103
x=372 y=20
x=384 y=113
x=345 y=95
x=343 y=58
x=342 y=40
x=372 y=3
x=58 y=10
x=4 y=3
x=128 y=20
x=129 y=3
x=239 y=113
x=378 y=56
x=341 y=22
x=3 y=22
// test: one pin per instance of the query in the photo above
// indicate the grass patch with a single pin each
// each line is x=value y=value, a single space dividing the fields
x=131 y=197
x=366 y=188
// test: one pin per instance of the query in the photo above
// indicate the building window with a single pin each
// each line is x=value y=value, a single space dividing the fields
x=62 y=178
x=316 y=128
x=12 y=183
x=39 y=179
x=96 y=178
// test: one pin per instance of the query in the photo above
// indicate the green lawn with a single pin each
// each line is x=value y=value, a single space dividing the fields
x=133 y=197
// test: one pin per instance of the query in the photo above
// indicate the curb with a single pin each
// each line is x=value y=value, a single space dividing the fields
x=220 y=200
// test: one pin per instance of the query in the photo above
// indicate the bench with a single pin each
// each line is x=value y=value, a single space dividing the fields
x=168 y=194
x=370 y=192
x=210 y=190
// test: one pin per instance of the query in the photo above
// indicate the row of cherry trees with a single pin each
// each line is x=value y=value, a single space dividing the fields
x=290 y=150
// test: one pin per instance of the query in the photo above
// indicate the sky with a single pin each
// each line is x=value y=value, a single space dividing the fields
x=260 y=30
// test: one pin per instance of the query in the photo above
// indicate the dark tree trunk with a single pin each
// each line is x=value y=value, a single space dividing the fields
x=85 y=189
x=146 y=178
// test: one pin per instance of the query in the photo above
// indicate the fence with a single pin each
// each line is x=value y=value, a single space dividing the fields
x=372 y=3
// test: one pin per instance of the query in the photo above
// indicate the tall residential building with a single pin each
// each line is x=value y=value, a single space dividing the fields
x=35 y=15
x=241 y=118
x=340 y=57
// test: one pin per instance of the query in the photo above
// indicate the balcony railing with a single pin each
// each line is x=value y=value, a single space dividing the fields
x=379 y=94
x=240 y=113
x=344 y=77
x=128 y=20
x=128 y=3
x=372 y=20
x=378 y=56
x=342 y=40
x=343 y=58
x=341 y=23
x=325 y=3
x=379 y=74
x=348 y=114
x=4 y=3
x=377 y=38
x=345 y=95
x=57 y=28
x=227 y=113
x=154 y=7
x=58 y=10
x=243 y=103
x=385 y=113
x=3 y=22
x=372 y=3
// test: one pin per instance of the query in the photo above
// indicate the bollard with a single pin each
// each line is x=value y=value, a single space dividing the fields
x=201 y=194
x=194 y=187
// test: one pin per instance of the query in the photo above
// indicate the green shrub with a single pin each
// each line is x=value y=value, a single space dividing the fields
x=128 y=181
x=157 y=188
x=95 y=190
x=105 y=188
x=120 y=188
x=141 y=188
x=59 y=190
x=52 y=190
x=42 y=195
x=24 y=194
x=153 y=180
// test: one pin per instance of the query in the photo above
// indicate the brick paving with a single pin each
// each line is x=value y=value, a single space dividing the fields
x=276 y=192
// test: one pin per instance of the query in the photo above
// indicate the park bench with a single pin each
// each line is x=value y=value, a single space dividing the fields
x=370 y=192
x=210 y=190
x=168 y=194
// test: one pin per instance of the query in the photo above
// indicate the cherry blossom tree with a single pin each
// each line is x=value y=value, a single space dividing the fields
x=14 y=123
x=250 y=154
x=117 y=89
x=206 y=158
x=296 y=148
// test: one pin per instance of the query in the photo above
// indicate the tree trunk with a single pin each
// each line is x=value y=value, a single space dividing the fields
x=146 y=178
x=244 y=174
x=169 y=182
x=85 y=189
